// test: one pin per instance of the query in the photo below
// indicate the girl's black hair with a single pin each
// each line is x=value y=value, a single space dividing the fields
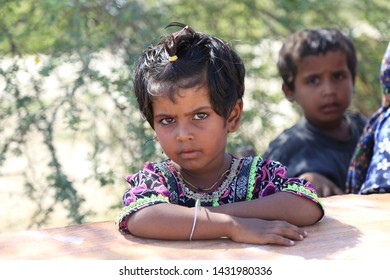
x=187 y=59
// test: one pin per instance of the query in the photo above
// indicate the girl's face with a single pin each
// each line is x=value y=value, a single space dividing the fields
x=323 y=88
x=190 y=132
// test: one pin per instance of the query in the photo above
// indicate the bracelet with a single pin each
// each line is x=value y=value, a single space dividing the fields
x=197 y=202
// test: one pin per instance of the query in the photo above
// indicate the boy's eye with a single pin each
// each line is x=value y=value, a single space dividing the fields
x=167 y=121
x=338 y=76
x=200 y=116
x=313 y=80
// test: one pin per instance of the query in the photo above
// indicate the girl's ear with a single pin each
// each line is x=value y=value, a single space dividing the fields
x=289 y=93
x=233 y=122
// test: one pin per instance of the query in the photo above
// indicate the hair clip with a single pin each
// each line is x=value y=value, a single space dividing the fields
x=172 y=58
x=185 y=28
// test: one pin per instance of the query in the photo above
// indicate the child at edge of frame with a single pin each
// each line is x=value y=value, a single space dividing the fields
x=189 y=87
x=370 y=164
x=318 y=68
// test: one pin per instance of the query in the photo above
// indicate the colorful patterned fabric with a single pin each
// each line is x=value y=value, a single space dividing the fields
x=370 y=166
x=248 y=178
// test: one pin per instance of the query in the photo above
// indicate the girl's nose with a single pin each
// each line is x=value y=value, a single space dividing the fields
x=184 y=133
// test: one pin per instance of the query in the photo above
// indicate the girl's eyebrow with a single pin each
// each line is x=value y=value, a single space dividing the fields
x=200 y=108
x=162 y=115
x=195 y=110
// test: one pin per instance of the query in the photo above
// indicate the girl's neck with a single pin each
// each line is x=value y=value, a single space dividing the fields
x=205 y=182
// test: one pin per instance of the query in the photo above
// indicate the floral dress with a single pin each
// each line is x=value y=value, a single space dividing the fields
x=248 y=178
x=369 y=171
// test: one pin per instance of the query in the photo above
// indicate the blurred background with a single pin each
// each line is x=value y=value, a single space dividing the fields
x=69 y=126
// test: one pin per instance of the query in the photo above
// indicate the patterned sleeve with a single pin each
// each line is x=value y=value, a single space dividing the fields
x=361 y=159
x=148 y=187
x=271 y=178
x=385 y=77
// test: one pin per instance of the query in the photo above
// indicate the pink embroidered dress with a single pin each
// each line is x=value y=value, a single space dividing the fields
x=248 y=178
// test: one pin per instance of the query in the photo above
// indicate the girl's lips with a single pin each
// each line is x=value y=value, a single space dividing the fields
x=188 y=154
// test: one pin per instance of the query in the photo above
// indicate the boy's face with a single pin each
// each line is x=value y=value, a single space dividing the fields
x=323 y=88
x=190 y=132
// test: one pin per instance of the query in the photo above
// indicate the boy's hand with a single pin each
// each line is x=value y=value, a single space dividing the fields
x=323 y=186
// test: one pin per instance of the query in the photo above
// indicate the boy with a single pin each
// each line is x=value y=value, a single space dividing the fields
x=318 y=68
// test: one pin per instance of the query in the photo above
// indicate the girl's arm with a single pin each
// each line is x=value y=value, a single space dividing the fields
x=173 y=222
x=284 y=206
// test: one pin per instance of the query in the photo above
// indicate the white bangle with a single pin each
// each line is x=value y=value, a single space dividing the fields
x=197 y=203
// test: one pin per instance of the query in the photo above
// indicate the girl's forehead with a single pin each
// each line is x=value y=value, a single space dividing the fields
x=185 y=100
x=181 y=94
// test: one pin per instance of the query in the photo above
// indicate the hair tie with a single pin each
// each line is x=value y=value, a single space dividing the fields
x=172 y=58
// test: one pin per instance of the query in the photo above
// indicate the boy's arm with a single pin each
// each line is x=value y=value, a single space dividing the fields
x=323 y=186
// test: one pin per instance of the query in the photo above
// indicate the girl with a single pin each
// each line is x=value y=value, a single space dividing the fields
x=189 y=87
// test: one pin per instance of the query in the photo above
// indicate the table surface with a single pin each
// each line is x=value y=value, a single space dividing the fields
x=355 y=227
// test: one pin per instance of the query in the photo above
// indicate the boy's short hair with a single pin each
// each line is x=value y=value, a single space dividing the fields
x=187 y=59
x=314 y=41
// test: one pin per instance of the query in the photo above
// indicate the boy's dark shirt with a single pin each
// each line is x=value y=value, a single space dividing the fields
x=304 y=148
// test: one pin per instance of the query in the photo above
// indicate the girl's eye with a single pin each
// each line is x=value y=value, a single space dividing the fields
x=167 y=121
x=200 y=116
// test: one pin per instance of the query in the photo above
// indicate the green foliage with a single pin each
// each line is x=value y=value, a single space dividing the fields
x=85 y=50
x=66 y=73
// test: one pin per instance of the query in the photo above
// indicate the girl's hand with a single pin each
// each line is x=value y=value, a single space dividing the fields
x=257 y=231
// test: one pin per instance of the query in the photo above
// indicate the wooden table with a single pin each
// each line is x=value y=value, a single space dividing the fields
x=355 y=227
